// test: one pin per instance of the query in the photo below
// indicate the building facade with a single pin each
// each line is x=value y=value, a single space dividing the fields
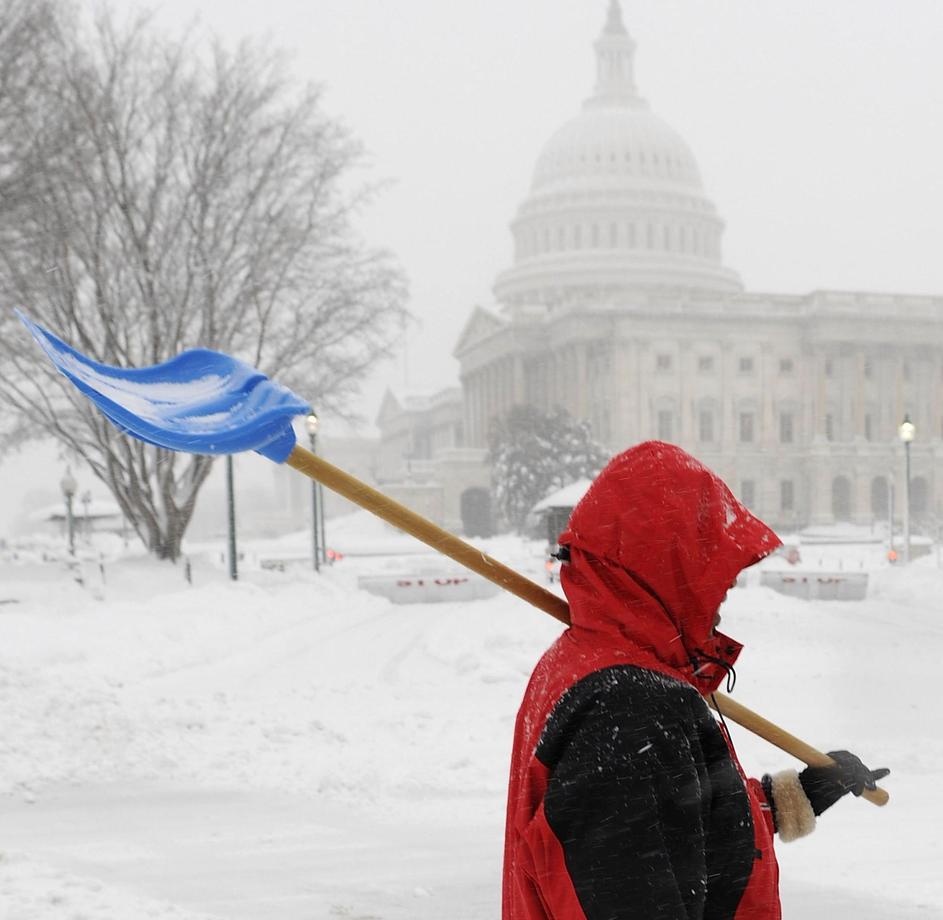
x=424 y=462
x=618 y=307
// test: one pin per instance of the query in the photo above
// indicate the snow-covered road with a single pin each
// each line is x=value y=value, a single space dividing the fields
x=250 y=855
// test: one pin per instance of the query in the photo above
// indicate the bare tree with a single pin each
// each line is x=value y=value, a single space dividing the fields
x=29 y=32
x=183 y=196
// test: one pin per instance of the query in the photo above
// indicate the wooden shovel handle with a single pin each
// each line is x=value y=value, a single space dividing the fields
x=449 y=545
x=423 y=529
x=782 y=739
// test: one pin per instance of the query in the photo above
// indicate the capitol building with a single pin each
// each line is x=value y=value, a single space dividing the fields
x=618 y=307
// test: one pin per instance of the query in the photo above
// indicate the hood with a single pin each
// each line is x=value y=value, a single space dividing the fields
x=655 y=544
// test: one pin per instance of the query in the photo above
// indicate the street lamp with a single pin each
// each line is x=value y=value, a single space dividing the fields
x=69 y=487
x=906 y=433
x=312 y=423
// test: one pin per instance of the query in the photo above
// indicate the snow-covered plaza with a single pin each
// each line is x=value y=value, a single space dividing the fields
x=289 y=746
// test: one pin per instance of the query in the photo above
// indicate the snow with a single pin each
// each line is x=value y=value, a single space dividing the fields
x=289 y=746
x=567 y=497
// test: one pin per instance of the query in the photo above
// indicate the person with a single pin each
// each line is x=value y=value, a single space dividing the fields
x=626 y=800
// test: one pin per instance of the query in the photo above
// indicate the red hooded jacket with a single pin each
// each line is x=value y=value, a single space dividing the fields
x=625 y=799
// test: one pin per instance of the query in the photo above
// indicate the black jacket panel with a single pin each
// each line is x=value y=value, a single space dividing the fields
x=645 y=799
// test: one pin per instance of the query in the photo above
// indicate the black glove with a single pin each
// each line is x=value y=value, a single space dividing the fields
x=824 y=786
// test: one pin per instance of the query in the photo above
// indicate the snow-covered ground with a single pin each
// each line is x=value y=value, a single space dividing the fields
x=287 y=746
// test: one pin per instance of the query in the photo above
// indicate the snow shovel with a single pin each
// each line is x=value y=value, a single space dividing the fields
x=206 y=402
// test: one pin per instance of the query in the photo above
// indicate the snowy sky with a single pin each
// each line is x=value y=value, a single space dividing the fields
x=818 y=129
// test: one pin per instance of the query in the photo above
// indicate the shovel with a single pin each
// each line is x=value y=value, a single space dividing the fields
x=206 y=402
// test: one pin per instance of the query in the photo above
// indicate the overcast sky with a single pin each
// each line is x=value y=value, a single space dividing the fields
x=818 y=128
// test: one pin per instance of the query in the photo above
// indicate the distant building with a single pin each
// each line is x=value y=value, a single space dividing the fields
x=291 y=508
x=88 y=517
x=272 y=499
x=424 y=463
x=618 y=307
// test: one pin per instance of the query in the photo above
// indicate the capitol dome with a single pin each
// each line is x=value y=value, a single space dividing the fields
x=616 y=203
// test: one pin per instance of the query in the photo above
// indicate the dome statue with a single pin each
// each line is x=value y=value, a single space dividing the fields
x=616 y=203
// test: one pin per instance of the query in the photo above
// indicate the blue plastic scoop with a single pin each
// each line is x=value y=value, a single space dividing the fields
x=201 y=401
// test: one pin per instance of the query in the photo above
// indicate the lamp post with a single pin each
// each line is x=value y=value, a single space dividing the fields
x=906 y=433
x=322 y=540
x=231 y=509
x=311 y=423
x=69 y=487
x=86 y=500
x=891 y=492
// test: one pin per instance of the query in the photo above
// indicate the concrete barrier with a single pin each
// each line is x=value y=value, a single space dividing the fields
x=429 y=589
x=818 y=585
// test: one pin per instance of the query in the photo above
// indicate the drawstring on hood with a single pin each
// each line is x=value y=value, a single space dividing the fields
x=731 y=673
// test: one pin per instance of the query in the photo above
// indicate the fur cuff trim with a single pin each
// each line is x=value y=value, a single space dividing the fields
x=794 y=815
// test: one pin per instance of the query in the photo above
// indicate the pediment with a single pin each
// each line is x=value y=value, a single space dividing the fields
x=389 y=407
x=481 y=324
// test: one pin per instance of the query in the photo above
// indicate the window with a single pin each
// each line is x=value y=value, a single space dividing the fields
x=663 y=363
x=868 y=369
x=879 y=497
x=906 y=370
x=841 y=498
x=868 y=431
x=829 y=427
x=665 y=425
x=705 y=364
x=603 y=425
x=786 y=366
x=705 y=426
x=746 y=365
x=829 y=367
x=746 y=427
x=748 y=492
x=785 y=427
x=787 y=495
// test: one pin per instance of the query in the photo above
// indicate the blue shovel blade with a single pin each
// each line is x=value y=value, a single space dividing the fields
x=200 y=402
